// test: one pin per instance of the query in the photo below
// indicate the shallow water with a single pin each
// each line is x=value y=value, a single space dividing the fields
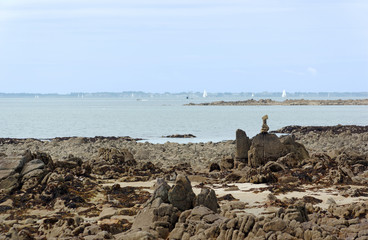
x=59 y=117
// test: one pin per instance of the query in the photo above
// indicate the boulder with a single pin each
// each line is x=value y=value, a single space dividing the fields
x=161 y=190
x=10 y=165
x=265 y=147
x=242 y=146
x=207 y=198
x=276 y=224
x=181 y=195
x=294 y=147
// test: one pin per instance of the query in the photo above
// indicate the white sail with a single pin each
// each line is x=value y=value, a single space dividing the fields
x=283 y=94
x=204 y=93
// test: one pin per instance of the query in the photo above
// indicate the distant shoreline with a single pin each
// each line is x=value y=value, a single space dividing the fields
x=287 y=102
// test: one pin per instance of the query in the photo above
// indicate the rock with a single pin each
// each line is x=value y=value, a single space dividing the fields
x=9 y=184
x=265 y=127
x=112 y=162
x=136 y=235
x=198 y=223
x=274 y=167
x=10 y=165
x=242 y=146
x=181 y=195
x=290 y=160
x=107 y=213
x=265 y=148
x=227 y=163
x=276 y=224
x=298 y=149
x=161 y=190
x=113 y=226
x=207 y=198
x=214 y=167
x=32 y=165
x=70 y=163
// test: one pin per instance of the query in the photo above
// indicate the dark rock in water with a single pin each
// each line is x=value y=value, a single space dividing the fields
x=180 y=136
x=207 y=198
x=214 y=167
x=242 y=146
x=181 y=195
x=265 y=147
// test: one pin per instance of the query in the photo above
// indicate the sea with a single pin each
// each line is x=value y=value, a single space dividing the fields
x=152 y=118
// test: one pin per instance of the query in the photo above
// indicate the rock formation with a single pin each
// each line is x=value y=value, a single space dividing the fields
x=181 y=195
x=242 y=146
x=265 y=147
x=265 y=127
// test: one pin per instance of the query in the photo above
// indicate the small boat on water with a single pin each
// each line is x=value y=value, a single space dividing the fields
x=283 y=94
x=204 y=93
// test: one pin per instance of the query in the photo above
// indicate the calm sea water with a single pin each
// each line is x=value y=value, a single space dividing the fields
x=151 y=119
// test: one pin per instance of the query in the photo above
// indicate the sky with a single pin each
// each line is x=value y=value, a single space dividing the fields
x=64 y=46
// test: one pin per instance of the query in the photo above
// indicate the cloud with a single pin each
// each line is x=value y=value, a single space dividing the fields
x=312 y=71
x=309 y=71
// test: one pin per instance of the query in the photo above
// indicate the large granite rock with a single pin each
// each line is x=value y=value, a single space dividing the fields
x=181 y=195
x=242 y=146
x=265 y=147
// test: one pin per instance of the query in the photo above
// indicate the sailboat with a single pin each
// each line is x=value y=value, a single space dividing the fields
x=283 y=94
x=204 y=93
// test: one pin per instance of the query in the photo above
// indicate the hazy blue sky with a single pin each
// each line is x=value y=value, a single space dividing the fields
x=183 y=45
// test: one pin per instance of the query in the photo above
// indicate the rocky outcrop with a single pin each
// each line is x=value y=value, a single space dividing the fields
x=207 y=198
x=242 y=146
x=287 y=102
x=10 y=168
x=181 y=195
x=111 y=162
x=180 y=136
x=265 y=147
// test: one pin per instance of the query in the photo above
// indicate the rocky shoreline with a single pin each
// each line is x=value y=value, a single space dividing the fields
x=287 y=102
x=309 y=184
